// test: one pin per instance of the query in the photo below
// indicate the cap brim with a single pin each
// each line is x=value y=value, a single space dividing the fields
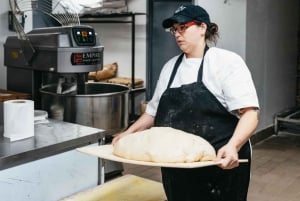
x=167 y=23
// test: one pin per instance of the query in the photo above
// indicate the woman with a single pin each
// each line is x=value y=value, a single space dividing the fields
x=208 y=92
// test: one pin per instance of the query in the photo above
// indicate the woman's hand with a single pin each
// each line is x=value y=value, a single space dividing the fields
x=144 y=122
x=118 y=137
x=228 y=157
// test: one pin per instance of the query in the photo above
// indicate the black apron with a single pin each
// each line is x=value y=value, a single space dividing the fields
x=194 y=109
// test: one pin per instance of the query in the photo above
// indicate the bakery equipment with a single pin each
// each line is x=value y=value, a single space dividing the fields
x=106 y=152
x=100 y=105
x=62 y=56
x=52 y=65
x=287 y=121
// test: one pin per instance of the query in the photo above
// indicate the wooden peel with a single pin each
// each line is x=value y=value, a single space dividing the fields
x=106 y=152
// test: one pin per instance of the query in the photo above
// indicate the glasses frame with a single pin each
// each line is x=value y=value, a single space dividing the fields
x=181 y=27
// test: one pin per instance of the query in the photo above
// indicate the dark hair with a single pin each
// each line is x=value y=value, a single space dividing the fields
x=212 y=32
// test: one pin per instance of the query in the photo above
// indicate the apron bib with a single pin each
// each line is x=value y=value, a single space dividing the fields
x=194 y=109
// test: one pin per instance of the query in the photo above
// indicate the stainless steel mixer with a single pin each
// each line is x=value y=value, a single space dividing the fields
x=62 y=56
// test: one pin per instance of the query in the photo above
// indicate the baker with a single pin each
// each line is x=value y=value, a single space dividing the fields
x=209 y=92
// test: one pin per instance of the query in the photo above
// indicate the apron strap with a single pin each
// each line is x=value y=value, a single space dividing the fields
x=176 y=66
x=200 y=72
x=175 y=70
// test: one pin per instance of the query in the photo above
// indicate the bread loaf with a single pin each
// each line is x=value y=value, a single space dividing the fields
x=165 y=145
x=108 y=71
x=92 y=75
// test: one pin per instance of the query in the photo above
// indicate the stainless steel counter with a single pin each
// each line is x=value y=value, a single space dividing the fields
x=50 y=138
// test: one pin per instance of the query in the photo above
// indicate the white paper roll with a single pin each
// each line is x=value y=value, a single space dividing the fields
x=18 y=119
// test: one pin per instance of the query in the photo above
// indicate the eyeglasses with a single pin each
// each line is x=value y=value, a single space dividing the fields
x=181 y=27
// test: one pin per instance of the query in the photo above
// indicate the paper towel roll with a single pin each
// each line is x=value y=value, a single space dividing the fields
x=18 y=119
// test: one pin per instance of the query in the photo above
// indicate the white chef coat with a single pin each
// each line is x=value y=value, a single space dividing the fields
x=225 y=74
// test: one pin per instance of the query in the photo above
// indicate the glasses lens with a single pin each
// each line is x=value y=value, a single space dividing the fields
x=180 y=28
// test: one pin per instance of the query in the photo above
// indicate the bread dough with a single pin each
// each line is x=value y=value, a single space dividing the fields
x=164 y=145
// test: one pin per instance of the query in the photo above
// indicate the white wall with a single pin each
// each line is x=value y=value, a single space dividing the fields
x=272 y=29
x=231 y=19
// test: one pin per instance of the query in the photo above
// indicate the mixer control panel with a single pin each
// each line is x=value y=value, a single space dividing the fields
x=84 y=36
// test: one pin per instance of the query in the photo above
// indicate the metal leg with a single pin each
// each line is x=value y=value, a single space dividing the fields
x=276 y=125
x=101 y=172
x=101 y=163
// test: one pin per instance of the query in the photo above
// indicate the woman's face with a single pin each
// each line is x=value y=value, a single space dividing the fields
x=190 y=37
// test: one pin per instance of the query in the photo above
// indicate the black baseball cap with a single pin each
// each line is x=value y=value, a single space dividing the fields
x=187 y=13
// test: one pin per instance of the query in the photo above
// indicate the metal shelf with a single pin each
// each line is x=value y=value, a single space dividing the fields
x=288 y=121
x=122 y=18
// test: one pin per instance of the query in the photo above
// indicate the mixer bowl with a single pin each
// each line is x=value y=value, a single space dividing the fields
x=101 y=105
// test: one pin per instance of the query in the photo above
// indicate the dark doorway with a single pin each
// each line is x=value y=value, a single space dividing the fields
x=160 y=45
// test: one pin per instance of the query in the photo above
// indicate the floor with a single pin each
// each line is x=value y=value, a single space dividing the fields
x=275 y=169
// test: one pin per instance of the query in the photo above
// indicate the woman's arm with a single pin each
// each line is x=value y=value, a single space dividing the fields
x=228 y=154
x=144 y=122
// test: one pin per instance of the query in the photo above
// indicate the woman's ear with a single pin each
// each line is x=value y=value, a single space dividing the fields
x=203 y=25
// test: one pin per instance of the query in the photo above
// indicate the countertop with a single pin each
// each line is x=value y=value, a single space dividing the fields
x=50 y=138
